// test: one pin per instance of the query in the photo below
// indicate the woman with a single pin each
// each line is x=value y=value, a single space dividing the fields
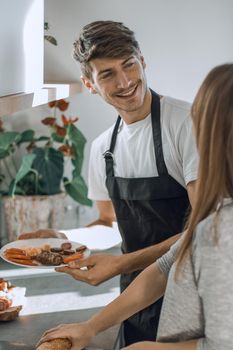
x=197 y=312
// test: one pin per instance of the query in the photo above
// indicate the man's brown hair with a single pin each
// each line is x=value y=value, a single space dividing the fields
x=104 y=39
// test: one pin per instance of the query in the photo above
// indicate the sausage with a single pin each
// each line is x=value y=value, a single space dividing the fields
x=66 y=246
x=81 y=248
x=56 y=250
x=68 y=252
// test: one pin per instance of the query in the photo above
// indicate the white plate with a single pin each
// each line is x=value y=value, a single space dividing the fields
x=53 y=242
x=98 y=237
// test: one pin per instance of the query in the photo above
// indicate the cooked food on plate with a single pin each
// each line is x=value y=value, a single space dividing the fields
x=45 y=255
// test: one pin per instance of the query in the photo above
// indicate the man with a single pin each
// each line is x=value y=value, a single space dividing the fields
x=142 y=170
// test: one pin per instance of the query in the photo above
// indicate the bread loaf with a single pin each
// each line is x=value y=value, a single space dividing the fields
x=56 y=344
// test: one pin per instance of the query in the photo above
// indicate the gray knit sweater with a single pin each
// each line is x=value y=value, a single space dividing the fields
x=200 y=304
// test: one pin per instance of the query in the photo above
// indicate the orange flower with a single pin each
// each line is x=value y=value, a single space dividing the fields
x=49 y=121
x=60 y=131
x=68 y=121
x=66 y=150
x=52 y=104
x=62 y=105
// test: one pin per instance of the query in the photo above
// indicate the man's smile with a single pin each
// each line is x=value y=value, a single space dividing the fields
x=127 y=93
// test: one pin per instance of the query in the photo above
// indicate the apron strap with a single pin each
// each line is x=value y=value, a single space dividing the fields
x=157 y=139
x=108 y=155
x=157 y=134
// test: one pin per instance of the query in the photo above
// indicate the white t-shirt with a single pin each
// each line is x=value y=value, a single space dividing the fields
x=134 y=155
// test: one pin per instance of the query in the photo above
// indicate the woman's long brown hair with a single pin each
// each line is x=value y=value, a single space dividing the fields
x=212 y=115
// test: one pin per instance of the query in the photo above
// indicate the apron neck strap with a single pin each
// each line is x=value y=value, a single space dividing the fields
x=108 y=155
x=157 y=134
x=157 y=139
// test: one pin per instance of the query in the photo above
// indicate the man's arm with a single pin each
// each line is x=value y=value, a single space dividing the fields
x=106 y=214
x=102 y=267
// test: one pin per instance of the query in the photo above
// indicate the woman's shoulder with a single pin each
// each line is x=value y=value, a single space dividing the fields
x=217 y=228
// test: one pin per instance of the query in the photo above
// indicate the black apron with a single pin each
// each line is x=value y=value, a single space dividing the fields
x=148 y=210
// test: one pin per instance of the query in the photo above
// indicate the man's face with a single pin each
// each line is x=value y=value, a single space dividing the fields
x=120 y=81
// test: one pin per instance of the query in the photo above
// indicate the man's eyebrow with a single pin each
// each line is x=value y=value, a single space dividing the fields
x=109 y=70
x=104 y=71
x=127 y=59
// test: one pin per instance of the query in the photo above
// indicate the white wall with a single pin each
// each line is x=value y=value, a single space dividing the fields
x=21 y=43
x=181 y=41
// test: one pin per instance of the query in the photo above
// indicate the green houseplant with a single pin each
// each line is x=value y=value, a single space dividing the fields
x=44 y=159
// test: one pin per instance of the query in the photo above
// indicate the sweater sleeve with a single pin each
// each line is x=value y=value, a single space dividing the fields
x=213 y=269
x=166 y=261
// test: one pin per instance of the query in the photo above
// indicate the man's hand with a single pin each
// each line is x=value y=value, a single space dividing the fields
x=100 y=268
x=43 y=233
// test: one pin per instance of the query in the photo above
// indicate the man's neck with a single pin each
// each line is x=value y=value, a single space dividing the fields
x=139 y=114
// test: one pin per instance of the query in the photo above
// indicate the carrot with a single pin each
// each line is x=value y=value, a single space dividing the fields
x=23 y=262
x=15 y=251
x=17 y=256
x=73 y=257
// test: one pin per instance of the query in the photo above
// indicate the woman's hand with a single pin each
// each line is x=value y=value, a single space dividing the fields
x=79 y=334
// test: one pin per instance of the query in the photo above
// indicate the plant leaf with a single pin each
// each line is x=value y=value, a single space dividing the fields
x=42 y=138
x=77 y=189
x=51 y=39
x=49 y=163
x=46 y=26
x=78 y=142
x=26 y=136
x=3 y=153
x=24 y=169
x=7 y=138
x=57 y=138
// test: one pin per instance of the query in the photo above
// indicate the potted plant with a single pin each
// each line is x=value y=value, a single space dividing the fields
x=42 y=172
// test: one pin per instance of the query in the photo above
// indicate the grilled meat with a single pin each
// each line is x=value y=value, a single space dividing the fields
x=49 y=258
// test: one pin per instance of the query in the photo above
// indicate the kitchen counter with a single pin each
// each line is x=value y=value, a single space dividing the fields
x=54 y=298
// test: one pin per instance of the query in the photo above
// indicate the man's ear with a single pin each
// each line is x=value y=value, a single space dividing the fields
x=143 y=61
x=88 y=84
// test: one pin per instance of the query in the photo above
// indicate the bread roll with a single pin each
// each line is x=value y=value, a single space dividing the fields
x=10 y=314
x=56 y=344
x=42 y=233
